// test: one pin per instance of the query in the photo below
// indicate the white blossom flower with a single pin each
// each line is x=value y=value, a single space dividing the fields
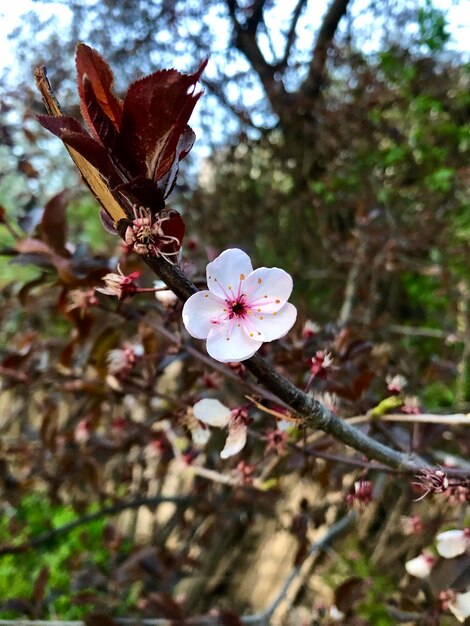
x=241 y=309
x=213 y=413
x=420 y=566
x=164 y=296
x=396 y=383
x=451 y=543
x=122 y=360
x=460 y=607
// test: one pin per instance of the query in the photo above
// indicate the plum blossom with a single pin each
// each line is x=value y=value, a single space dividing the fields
x=120 y=361
x=119 y=284
x=242 y=308
x=155 y=235
x=451 y=543
x=420 y=566
x=459 y=606
x=396 y=383
x=213 y=413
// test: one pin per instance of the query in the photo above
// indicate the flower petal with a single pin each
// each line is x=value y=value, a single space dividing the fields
x=451 y=543
x=235 y=441
x=200 y=436
x=212 y=412
x=199 y=312
x=267 y=327
x=268 y=289
x=420 y=566
x=227 y=271
x=229 y=343
x=460 y=608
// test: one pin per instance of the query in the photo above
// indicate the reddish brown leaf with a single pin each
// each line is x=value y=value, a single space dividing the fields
x=26 y=168
x=90 y=64
x=74 y=135
x=34 y=246
x=60 y=124
x=105 y=131
x=185 y=143
x=54 y=222
x=349 y=593
x=144 y=192
x=173 y=226
x=99 y=619
x=39 y=589
x=94 y=153
x=29 y=286
x=155 y=114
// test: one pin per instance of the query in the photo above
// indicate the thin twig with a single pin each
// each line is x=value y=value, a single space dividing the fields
x=425 y=418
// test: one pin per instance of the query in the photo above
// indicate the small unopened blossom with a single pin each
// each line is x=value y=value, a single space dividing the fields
x=451 y=543
x=411 y=405
x=164 y=295
x=119 y=285
x=242 y=308
x=81 y=300
x=245 y=472
x=120 y=361
x=362 y=494
x=396 y=384
x=155 y=235
x=310 y=329
x=319 y=364
x=411 y=525
x=276 y=441
x=420 y=566
x=82 y=431
x=329 y=400
x=459 y=606
x=213 y=413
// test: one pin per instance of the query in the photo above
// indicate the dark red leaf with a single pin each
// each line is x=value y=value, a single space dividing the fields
x=155 y=114
x=105 y=131
x=99 y=619
x=54 y=222
x=143 y=192
x=75 y=136
x=228 y=618
x=39 y=589
x=90 y=64
x=93 y=152
x=349 y=593
x=61 y=124
x=185 y=143
x=164 y=605
x=26 y=168
x=173 y=226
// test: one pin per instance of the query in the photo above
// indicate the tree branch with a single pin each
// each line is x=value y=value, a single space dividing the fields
x=245 y=41
x=313 y=413
x=316 y=74
x=291 y=34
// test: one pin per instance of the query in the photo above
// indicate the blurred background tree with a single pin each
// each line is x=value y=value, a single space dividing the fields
x=333 y=141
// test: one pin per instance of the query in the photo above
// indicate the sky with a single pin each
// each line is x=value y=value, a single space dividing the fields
x=11 y=14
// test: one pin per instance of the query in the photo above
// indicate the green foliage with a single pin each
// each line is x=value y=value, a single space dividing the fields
x=82 y=546
x=432 y=27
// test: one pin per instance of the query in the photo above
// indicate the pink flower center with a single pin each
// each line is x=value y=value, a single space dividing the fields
x=237 y=308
